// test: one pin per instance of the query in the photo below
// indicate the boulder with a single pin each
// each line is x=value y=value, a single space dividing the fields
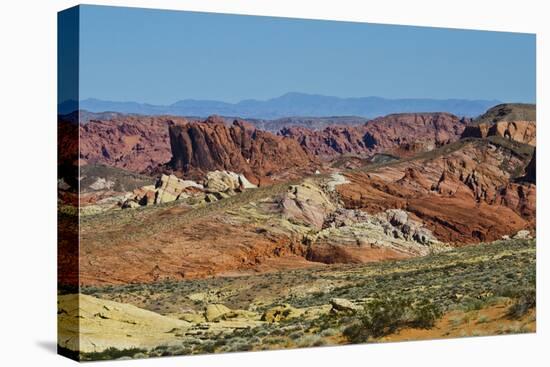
x=170 y=188
x=215 y=311
x=222 y=181
x=280 y=313
x=130 y=204
x=241 y=315
x=102 y=184
x=524 y=234
x=194 y=318
x=210 y=198
x=397 y=217
x=307 y=204
x=145 y=195
x=107 y=324
x=343 y=305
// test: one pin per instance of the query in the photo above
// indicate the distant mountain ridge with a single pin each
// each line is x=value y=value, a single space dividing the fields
x=290 y=104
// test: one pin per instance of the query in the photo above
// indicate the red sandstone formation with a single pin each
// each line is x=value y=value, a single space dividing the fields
x=465 y=196
x=134 y=143
x=520 y=131
x=464 y=193
x=142 y=143
x=402 y=134
x=211 y=145
x=513 y=121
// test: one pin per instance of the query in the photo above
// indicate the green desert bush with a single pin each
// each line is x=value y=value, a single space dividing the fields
x=526 y=301
x=425 y=314
x=384 y=316
x=472 y=304
x=310 y=341
x=111 y=353
x=329 y=332
x=296 y=334
x=482 y=319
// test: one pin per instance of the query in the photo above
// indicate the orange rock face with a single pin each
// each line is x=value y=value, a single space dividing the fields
x=463 y=197
x=450 y=192
x=261 y=156
x=144 y=143
x=463 y=193
x=520 y=131
x=202 y=248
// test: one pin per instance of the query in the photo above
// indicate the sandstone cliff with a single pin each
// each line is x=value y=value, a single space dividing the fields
x=261 y=156
x=511 y=121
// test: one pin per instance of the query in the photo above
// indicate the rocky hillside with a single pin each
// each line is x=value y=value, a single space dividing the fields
x=508 y=112
x=142 y=143
x=464 y=192
x=162 y=144
x=511 y=121
x=401 y=134
x=261 y=156
x=134 y=143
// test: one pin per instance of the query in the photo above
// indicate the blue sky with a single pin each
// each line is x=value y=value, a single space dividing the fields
x=160 y=57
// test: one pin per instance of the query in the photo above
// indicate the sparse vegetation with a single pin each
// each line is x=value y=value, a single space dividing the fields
x=395 y=296
x=111 y=353
x=385 y=316
x=526 y=301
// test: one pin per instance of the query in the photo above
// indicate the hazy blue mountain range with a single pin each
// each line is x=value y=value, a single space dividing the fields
x=291 y=104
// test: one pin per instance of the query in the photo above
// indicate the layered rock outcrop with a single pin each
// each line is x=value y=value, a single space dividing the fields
x=465 y=196
x=520 y=131
x=354 y=236
x=211 y=145
x=531 y=169
x=143 y=143
x=405 y=134
x=90 y=324
x=134 y=143
x=515 y=122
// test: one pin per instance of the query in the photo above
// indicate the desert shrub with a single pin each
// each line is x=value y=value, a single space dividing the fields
x=356 y=333
x=472 y=304
x=262 y=333
x=310 y=341
x=241 y=346
x=457 y=320
x=140 y=356
x=255 y=340
x=206 y=347
x=425 y=315
x=274 y=340
x=329 y=332
x=385 y=316
x=526 y=301
x=482 y=319
x=111 y=353
x=296 y=334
